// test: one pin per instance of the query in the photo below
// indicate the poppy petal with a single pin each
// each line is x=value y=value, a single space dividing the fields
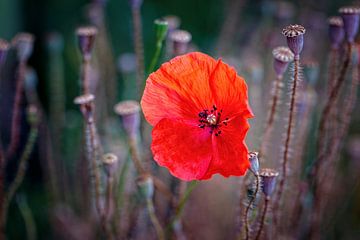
x=179 y=89
x=184 y=149
x=230 y=91
x=230 y=153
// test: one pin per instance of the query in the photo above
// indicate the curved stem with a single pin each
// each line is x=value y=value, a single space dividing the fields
x=249 y=206
x=16 y=114
x=262 y=222
x=288 y=137
x=20 y=174
x=155 y=221
x=135 y=156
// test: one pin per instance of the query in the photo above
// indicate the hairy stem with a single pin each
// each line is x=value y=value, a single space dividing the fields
x=263 y=216
x=288 y=137
x=251 y=202
x=85 y=75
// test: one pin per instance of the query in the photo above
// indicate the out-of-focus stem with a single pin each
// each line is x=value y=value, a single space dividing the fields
x=288 y=136
x=135 y=155
x=156 y=56
x=262 y=222
x=28 y=218
x=20 y=174
x=251 y=202
x=139 y=48
x=16 y=115
x=326 y=113
x=332 y=69
x=155 y=221
x=85 y=74
x=271 y=113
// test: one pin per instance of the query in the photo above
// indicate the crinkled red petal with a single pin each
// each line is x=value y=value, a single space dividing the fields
x=184 y=149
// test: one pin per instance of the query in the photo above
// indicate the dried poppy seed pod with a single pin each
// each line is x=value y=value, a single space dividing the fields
x=350 y=16
x=161 y=26
x=4 y=48
x=24 y=44
x=86 y=105
x=254 y=162
x=129 y=111
x=109 y=161
x=135 y=3
x=146 y=186
x=295 y=38
x=268 y=177
x=336 y=31
x=282 y=57
x=86 y=38
x=180 y=40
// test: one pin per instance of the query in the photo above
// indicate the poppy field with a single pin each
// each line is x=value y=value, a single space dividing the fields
x=184 y=119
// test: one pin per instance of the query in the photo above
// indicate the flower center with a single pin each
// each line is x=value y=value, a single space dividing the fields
x=211 y=119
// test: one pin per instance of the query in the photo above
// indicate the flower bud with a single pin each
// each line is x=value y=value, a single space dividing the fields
x=86 y=38
x=350 y=16
x=336 y=31
x=129 y=111
x=109 y=161
x=282 y=57
x=161 y=26
x=295 y=38
x=268 y=178
x=86 y=105
x=254 y=162
x=146 y=186
x=180 y=40
x=4 y=48
x=24 y=44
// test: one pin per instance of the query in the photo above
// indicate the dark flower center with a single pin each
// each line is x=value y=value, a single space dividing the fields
x=211 y=119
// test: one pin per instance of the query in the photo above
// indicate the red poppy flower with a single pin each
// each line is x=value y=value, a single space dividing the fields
x=199 y=109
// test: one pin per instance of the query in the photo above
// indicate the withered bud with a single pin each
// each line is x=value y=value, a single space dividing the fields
x=282 y=57
x=350 y=16
x=146 y=186
x=32 y=115
x=254 y=162
x=268 y=178
x=4 y=48
x=173 y=22
x=180 y=40
x=295 y=38
x=86 y=38
x=86 y=105
x=336 y=31
x=24 y=44
x=129 y=111
x=109 y=161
